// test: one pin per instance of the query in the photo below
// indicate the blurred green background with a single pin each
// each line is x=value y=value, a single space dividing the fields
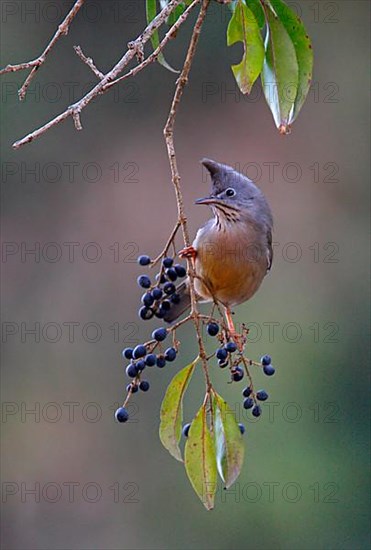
x=72 y=478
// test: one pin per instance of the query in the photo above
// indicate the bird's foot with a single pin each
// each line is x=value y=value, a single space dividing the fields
x=188 y=252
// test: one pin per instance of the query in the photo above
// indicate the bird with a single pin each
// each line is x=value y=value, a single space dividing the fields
x=232 y=252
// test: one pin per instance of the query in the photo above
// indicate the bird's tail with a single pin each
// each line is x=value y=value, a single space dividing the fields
x=183 y=304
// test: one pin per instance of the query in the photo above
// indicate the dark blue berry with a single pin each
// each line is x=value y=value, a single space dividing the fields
x=161 y=278
x=222 y=363
x=185 y=429
x=222 y=353
x=159 y=334
x=256 y=411
x=144 y=385
x=261 y=395
x=150 y=359
x=170 y=354
x=167 y=262
x=144 y=260
x=237 y=374
x=127 y=353
x=139 y=351
x=132 y=387
x=171 y=274
x=212 y=329
x=144 y=281
x=247 y=392
x=145 y=313
x=131 y=370
x=266 y=360
x=148 y=299
x=160 y=313
x=231 y=347
x=161 y=361
x=269 y=370
x=248 y=403
x=175 y=298
x=242 y=428
x=157 y=293
x=141 y=365
x=169 y=288
x=122 y=415
x=165 y=305
x=180 y=270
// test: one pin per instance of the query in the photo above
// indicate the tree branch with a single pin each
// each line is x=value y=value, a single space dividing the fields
x=133 y=48
x=36 y=63
x=169 y=138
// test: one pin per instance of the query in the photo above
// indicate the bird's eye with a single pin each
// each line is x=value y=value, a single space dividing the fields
x=230 y=192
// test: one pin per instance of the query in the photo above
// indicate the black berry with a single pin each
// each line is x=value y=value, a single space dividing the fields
x=145 y=313
x=266 y=360
x=237 y=374
x=175 y=298
x=269 y=370
x=127 y=353
x=157 y=293
x=139 y=351
x=159 y=334
x=165 y=305
x=180 y=270
x=161 y=361
x=171 y=274
x=247 y=392
x=222 y=363
x=222 y=353
x=167 y=262
x=150 y=359
x=170 y=354
x=261 y=395
x=131 y=370
x=169 y=288
x=248 y=403
x=132 y=387
x=242 y=428
x=144 y=260
x=185 y=429
x=148 y=299
x=122 y=415
x=212 y=329
x=144 y=281
x=141 y=365
x=144 y=385
x=256 y=411
x=231 y=347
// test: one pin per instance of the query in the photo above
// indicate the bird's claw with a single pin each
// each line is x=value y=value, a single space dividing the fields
x=188 y=252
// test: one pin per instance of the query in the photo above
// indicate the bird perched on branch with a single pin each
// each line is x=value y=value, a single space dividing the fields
x=232 y=252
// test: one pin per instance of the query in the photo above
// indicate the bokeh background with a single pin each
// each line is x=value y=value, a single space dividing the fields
x=88 y=202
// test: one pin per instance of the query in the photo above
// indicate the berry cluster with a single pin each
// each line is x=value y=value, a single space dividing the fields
x=159 y=298
x=141 y=357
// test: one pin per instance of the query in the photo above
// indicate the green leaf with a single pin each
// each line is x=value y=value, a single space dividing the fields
x=174 y=16
x=200 y=460
x=243 y=27
x=171 y=415
x=228 y=441
x=151 y=12
x=255 y=6
x=303 y=50
x=280 y=74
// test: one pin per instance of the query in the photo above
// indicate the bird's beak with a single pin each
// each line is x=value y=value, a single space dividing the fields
x=207 y=200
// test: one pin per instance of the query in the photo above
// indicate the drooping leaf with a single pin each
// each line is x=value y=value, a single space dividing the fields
x=228 y=441
x=244 y=28
x=171 y=415
x=151 y=12
x=255 y=6
x=303 y=50
x=280 y=74
x=199 y=459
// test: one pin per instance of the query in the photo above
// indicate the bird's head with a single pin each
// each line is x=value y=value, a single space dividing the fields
x=234 y=196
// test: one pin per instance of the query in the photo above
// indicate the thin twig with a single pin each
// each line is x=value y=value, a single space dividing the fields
x=167 y=245
x=169 y=138
x=133 y=48
x=36 y=63
x=89 y=62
